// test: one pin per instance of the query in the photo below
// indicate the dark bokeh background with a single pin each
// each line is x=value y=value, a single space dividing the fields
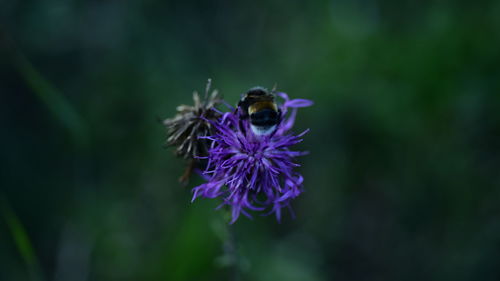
x=402 y=181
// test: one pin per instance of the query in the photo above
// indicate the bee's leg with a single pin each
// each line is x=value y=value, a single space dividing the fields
x=242 y=127
x=241 y=117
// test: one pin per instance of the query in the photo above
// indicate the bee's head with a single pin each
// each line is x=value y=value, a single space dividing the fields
x=257 y=91
x=254 y=99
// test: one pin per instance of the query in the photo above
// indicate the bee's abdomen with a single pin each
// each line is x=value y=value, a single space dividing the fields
x=264 y=117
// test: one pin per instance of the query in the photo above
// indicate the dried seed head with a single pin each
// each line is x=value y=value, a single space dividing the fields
x=190 y=123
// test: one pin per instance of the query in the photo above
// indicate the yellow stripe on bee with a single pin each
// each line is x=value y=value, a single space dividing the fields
x=260 y=105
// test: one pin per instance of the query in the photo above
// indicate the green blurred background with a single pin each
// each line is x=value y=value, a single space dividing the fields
x=402 y=180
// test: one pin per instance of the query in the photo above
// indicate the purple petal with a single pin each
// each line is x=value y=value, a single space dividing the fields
x=288 y=124
x=283 y=96
x=296 y=103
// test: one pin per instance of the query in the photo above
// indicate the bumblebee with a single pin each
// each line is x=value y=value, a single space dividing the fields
x=259 y=107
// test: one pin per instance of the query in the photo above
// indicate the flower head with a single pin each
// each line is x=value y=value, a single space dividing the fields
x=186 y=129
x=251 y=172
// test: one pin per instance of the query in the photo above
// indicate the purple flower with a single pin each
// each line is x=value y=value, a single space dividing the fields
x=252 y=172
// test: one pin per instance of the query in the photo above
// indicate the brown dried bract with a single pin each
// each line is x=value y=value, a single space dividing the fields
x=191 y=123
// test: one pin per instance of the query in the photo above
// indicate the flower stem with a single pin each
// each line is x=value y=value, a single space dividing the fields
x=230 y=251
x=230 y=248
